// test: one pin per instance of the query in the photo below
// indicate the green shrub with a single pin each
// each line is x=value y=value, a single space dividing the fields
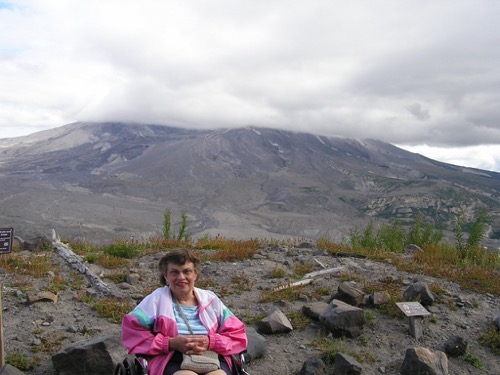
x=167 y=224
x=90 y=258
x=19 y=361
x=116 y=277
x=490 y=338
x=167 y=227
x=299 y=321
x=278 y=273
x=422 y=233
x=282 y=293
x=112 y=308
x=121 y=250
x=473 y=360
x=468 y=247
x=370 y=318
x=368 y=238
x=301 y=269
x=394 y=237
x=329 y=349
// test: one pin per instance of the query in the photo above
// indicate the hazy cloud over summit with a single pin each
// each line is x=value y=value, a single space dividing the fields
x=414 y=73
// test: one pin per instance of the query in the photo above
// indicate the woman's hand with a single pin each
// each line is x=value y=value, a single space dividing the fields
x=192 y=344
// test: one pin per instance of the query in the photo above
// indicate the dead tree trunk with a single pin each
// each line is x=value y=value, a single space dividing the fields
x=76 y=262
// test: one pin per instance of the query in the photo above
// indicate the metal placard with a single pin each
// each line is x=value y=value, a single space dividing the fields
x=413 y=309
x=6 y=239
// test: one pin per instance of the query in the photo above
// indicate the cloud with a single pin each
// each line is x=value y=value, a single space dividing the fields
x=481 y=157
x=419 y=112
x=422 y=72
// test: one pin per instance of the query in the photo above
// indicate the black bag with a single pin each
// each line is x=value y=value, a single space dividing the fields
x=131 y=365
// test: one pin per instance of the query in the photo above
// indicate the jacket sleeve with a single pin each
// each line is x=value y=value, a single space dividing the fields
x=231 y=337
x=139 y=338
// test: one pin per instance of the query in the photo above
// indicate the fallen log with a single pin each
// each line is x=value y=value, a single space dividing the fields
x=76 y=262
x=318 y=262
x=324 y=272
x=293 y=285
x=309 y=278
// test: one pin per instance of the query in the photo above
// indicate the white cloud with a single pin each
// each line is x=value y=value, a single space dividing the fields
x=415 y=73
x=481 y=157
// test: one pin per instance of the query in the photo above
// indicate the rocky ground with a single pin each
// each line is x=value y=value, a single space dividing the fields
x=39 y=329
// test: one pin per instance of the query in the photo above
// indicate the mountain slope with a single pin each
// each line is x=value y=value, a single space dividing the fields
x=109 y=180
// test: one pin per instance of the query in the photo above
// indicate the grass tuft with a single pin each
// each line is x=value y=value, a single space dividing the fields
x=299 y=321
x=21 y=361
x=286 y=293
x=473 y=360
x=490 y=338
x=112 y=308
x=277 y=273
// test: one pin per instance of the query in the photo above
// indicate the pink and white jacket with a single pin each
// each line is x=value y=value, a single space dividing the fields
x=147 y=329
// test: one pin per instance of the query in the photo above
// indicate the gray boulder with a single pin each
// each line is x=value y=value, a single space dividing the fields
x=95 y=356
x=348 y=293
x=380 y=298
x=257 y=345
x=10 y=370
x=455 y=346
x=343 y=319
x=275 y=322
x=419 y=291
x=313 y=366
x=346 y=365
x=421 y=360
x=314 y=309
x=496 y=321
x=411 y=249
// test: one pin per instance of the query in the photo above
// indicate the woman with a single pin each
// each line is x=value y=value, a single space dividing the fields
x=157 y=327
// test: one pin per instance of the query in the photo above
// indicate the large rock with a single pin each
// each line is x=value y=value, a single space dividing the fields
x=314 y=309
x=419 y=291
x=313 y=366
x=455 y=346
x=348 y=293
x=346 y=365
x=496 y=321
x=10 y=370
x=412 y=249
x=96 y=356
x=419 y=361
x=257 y=345
x=343 y=319
x=380 y=298
x=275 y=322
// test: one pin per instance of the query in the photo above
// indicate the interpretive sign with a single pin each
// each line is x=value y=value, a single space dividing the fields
x=6 y=239
x=413 y=309
x=415 y=313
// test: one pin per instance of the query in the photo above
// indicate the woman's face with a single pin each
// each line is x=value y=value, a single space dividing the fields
x=181 y=278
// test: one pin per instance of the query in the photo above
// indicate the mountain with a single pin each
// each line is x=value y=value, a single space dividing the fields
x=105 y=181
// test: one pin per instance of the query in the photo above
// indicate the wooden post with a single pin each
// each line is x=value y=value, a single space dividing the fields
x=415 y=325
x=2 y=358
x=6 y=239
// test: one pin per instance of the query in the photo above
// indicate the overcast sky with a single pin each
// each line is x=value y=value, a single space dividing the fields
x=421 y=74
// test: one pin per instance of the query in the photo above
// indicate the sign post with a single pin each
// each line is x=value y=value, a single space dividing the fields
x=6 y=239
x=415 y=313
